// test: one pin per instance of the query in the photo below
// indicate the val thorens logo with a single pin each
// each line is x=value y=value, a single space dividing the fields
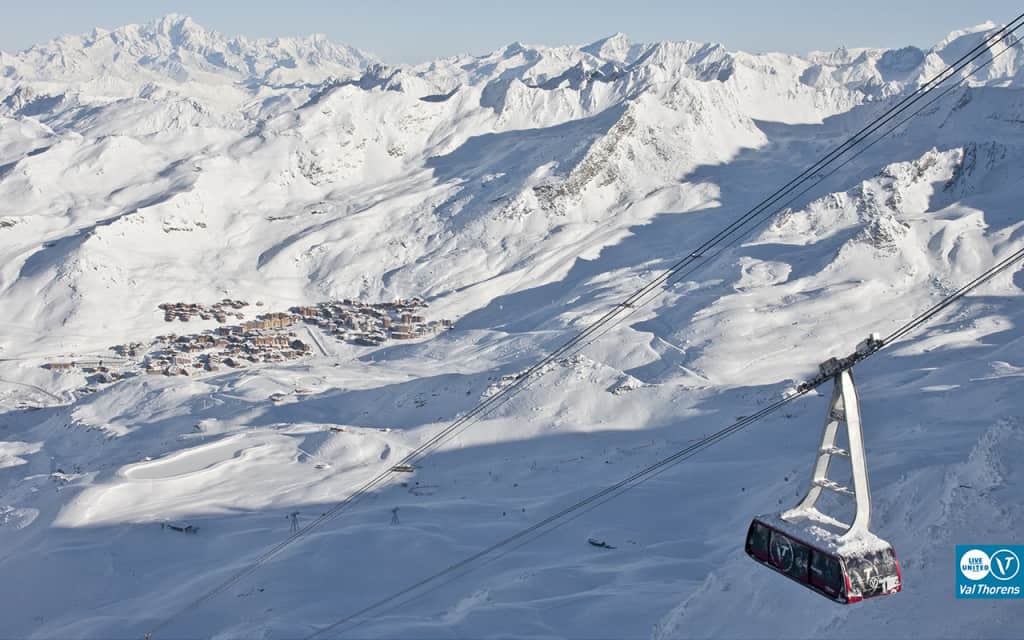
x=989 y=571
x=1005 y=565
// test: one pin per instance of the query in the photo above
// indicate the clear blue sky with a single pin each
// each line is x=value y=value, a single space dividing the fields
x=414 y=31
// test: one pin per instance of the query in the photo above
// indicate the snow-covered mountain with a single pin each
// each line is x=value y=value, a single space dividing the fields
x=520 y=194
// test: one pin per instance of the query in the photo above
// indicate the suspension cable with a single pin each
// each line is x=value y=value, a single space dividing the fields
x=622 y=309
x=558 y=519
x=637 y=306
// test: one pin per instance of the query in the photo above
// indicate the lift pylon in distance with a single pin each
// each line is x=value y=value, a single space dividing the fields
x=843 y=562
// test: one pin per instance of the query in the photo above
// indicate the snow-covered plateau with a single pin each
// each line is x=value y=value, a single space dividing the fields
x=170 y=197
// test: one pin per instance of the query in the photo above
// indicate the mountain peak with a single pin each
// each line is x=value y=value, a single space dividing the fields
x=179 y=29
x=965 y=35
x=177 y=47
x=614 y=47
x=175 y=19
x=514 y=48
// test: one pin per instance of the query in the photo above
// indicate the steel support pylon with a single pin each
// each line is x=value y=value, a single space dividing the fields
x=843 y=412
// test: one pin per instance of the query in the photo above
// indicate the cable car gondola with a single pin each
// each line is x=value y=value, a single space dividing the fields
x=845 y=563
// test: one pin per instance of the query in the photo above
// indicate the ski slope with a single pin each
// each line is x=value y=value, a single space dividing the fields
x=521 y=193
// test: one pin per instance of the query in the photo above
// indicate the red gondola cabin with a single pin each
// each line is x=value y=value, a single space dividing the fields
x=844 y=577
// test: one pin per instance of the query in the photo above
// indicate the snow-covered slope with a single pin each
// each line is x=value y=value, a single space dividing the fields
x=520 y=193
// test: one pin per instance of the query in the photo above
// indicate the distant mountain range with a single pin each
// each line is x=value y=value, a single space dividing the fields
x=520 y=193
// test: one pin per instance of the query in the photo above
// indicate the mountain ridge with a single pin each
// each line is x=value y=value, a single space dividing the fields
x=160 y=203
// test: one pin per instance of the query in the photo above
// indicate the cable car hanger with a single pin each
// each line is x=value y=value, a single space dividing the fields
x=843 y=562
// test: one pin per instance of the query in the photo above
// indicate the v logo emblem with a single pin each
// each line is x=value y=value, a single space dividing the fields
x=1004 y=563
